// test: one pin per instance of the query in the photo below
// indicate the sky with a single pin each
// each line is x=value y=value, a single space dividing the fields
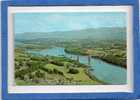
x=50 y=22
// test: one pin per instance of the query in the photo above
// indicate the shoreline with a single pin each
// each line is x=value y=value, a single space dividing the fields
x=93 y=77
x=122 y=66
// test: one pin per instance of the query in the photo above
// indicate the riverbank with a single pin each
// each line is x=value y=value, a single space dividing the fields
x=89 y=73
x=105 y=55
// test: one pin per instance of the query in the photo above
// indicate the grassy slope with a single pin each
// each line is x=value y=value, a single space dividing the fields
x=37 y=70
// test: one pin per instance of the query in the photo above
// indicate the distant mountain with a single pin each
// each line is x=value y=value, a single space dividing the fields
x=114 y=33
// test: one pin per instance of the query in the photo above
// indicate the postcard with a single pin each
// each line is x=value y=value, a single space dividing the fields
x=71 y=48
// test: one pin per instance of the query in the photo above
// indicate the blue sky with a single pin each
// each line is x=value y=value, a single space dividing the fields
x=49 y=22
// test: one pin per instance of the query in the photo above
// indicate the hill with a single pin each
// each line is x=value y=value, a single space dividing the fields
x=114 y=33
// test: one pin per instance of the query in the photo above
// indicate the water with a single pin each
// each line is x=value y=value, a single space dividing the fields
x=104 y=71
